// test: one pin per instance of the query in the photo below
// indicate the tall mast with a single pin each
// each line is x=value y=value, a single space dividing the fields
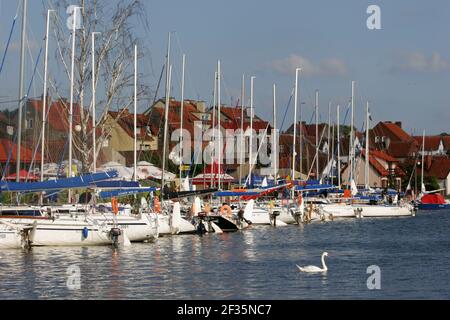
x=294 y=151
x=422 y=188
x=214 y=126
x=166 y=115
x=241 y=152
x=219 y=123
x=182 y=116
x=338 y=145
x=328 y=134
x=250 y=143
x=94 y=102
x=44 y=95
x=332 y=154
x=21 y=93
x=274 y=135
x=317 y=135
x=72 y=76
x=367 y=182
x=351 y=144
x=135 y=112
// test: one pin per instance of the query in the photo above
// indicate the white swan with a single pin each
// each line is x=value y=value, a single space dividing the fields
x=314 y=269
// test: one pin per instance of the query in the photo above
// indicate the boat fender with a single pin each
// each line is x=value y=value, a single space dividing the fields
x=85 y=232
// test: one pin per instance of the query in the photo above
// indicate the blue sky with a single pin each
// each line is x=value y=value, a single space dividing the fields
x=403 y=69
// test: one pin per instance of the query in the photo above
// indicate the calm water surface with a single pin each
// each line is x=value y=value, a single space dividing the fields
x=413 y=254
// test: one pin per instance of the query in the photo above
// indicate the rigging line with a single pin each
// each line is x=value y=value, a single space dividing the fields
x=25 y=98
x=287 y=109
x=8 y=43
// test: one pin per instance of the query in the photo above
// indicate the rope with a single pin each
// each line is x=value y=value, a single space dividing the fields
x=8 y=42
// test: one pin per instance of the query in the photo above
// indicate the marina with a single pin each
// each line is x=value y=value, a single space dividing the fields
x=280 y=180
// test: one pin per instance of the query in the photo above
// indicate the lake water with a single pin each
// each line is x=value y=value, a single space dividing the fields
x=413 y=255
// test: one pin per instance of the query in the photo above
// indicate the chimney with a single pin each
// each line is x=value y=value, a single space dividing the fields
x=399 y=123
x=201 y=106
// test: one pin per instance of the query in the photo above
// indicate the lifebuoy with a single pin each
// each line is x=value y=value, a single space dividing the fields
x=226 y=211
x=157 y=205
x=300 y=200
x=115 y=206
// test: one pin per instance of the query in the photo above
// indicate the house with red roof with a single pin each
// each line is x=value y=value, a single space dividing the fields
x=8 y=156
x=390 y=137
x=382 y=167
x=434 y=145
x=439 y=168
x=119 y=128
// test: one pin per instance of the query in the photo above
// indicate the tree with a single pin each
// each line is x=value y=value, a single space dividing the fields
x=114 y=64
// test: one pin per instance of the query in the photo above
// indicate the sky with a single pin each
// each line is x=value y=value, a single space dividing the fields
x=403 y=69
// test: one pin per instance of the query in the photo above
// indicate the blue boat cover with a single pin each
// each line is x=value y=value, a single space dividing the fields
x=83 y=181
x=124 y=192
x=117 y=184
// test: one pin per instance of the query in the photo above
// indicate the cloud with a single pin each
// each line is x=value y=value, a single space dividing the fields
x=331 y=66
x=419 y=62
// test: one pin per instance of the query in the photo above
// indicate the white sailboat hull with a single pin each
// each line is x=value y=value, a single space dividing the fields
x=10 y=238
x=338 y=210
x=384 y=211
x=164 y=228
x=64 y=231
x=138 y=229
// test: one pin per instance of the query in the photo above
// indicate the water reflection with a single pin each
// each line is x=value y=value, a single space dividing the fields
x=258 y=263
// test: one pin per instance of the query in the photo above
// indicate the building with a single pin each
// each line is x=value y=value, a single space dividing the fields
x=389 y=137
x=434 y=145
x=382 y=169
x=119 y=145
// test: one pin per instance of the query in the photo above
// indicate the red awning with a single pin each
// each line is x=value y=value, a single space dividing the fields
x=23 y=176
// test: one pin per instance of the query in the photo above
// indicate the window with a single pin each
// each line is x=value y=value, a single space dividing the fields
x=29 y=124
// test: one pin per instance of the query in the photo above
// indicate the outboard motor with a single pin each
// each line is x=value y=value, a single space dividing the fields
x=273 y=217
x=114 y=234
x=201 y=228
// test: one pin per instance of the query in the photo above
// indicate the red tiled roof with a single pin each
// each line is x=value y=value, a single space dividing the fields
x=446 y=142
x=26 y=155
x=58 y=114
x=126 y=121
x=440 y=168
x=380 y=154
x=431 y=142
x=393 y=131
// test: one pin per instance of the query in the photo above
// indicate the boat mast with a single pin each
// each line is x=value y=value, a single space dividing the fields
x=44 y=96
x=250 y=143
x=135 y=112
x=274 y=135
x=166 y=115
x=181 y=116
x=94 y=122
x=351 y=144
x=219 y=132
x=332 y=154
x=214 y=128
x=241 y=152
x=422 y=186
x=338 y=145
x=21 y=93
x=72 y=76
x=328 y=134
x=317 y=135
x=294 y=151
x=367 y=148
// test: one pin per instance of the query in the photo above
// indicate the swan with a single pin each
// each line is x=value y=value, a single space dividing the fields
x=314 y=269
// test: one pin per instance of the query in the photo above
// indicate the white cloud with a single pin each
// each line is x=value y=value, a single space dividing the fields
x=419 y=62
x=331 y=66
